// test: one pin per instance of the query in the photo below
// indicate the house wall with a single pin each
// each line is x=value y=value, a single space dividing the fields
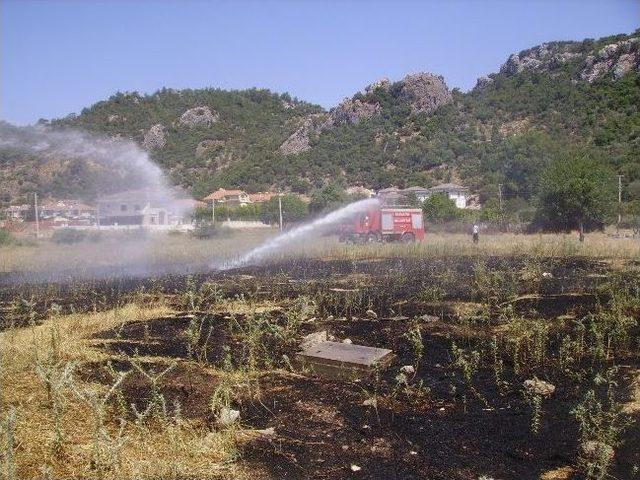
x=460 y=199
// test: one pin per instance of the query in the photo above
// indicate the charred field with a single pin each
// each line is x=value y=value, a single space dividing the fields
x=505 y=367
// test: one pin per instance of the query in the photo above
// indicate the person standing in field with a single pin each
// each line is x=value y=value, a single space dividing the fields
x=475 y=233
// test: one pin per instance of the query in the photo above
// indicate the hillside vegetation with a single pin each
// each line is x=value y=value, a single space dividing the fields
x=582 y=97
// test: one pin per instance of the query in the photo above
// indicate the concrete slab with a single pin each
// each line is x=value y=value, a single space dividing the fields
x=344 y=361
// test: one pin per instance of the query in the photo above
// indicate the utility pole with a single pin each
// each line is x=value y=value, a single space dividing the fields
x=280 y=209
x=35 y=198
x=500 y=195
x=619 y=200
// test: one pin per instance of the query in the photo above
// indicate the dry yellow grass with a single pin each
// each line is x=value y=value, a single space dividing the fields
x=168 y=450
x=182 y=249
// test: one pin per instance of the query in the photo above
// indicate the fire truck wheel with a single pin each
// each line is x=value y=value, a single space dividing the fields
x=407 y=237
x=372 y=237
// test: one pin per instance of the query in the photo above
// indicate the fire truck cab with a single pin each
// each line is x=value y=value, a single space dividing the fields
x=386 y=224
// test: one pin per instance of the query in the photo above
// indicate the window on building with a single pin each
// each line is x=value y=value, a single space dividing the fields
x=123 y=207
x=137 y=208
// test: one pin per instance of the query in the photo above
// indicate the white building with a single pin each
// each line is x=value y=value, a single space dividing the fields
x=457 y=193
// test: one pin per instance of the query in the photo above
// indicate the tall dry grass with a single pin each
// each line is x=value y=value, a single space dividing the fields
x=93 y=443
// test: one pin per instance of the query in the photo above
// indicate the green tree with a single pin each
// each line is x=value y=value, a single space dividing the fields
x=439 y=208
x=293 y=210
x=328 y=198
x=575 y=192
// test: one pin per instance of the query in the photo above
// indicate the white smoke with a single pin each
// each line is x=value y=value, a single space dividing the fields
x=116 y=164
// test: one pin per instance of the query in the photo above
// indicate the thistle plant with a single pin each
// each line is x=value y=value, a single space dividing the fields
x=414 y=337
x=56 y=377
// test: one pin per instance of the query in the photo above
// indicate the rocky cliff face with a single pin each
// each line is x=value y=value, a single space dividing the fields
x=613 y=60
x=198 y=117
x=154 y=138
x=353 y=111
x=298 y=142
x=424 y=92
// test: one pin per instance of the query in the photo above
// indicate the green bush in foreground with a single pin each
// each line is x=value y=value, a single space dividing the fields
x=5 y=237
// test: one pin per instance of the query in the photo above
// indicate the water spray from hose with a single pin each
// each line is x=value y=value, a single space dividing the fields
x=296 y=234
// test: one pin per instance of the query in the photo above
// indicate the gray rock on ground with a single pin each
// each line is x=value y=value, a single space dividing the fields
x=539 y=387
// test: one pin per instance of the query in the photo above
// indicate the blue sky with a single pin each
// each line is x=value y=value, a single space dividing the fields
x=57 y=57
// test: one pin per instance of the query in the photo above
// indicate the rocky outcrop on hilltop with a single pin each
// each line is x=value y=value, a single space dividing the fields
x=543 y=57
x=353 y=111
x=154 y=138
x=298 y=141
x=198 y=117
x=424 y=92
x=614 y=59
x=382 y=84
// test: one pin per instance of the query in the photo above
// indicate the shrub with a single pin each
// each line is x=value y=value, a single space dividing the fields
x=440 y=208
x=204 y=231
x=68 y=236
x=5 y=237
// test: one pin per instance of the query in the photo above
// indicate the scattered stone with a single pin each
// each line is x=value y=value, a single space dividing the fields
x=345 y=447
x=154 y=138
x=371 y=402
x=562 y=473
x=347 y=341
x=113 y=118
x=408 y=369
x=330 y=318
x=428 y=318
x=355 y=468
x=594 y=450
x=547 y=275
x=267 y=432
x=227 y=416
x=198 y=117
x=312 y=339
x=539 y=387
x=371 y=314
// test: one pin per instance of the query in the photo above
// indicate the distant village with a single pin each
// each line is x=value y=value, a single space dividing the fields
x=150 y=210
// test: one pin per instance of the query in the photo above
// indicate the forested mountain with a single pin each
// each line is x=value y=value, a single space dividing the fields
x=543 y=102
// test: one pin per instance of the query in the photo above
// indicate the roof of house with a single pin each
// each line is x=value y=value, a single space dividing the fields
x=67 y=205
x=19 y=208
x=261 y=196
x=448 y=186
x=415 y=189
x=221 y=193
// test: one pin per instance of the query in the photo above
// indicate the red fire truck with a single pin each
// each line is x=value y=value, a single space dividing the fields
x=384 y=224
